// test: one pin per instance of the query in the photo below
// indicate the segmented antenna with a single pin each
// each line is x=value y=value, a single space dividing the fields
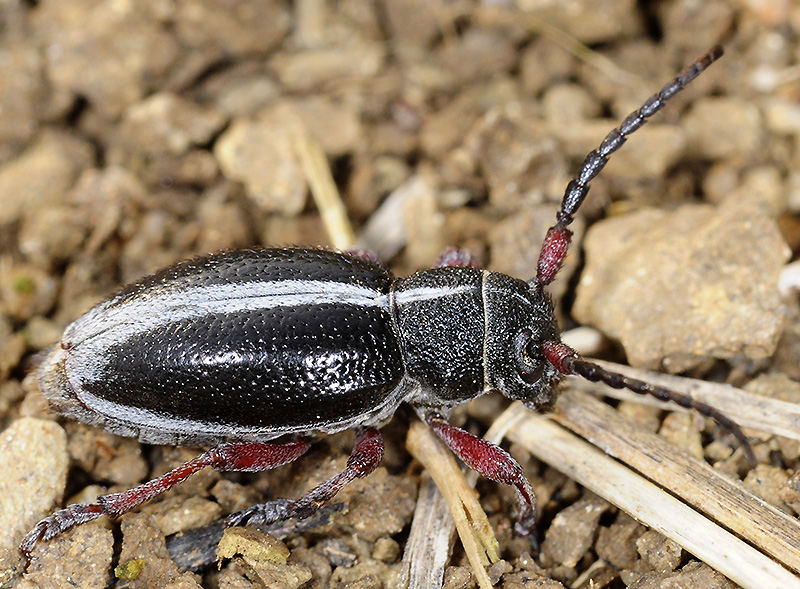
x=567 y=361
x=557 y=241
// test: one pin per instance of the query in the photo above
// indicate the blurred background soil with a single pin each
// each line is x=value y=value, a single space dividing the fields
x=137 y=134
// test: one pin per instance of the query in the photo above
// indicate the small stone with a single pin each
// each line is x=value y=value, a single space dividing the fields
x=658 y=552
x=177 y=514
x=371 y=574
x=241 y=27
x=22 y=91
x=34 y=462
x=265 y=555
x=252 y=544
x=497 y=569
x=165 y=123
x=107 y=457
x=477 y=54
x=572 y=532
x=520 y=159
x=311 y=69
x=566 y=104
x=528 y=580
x=677 y=288
x=768 y=482
x=108 y=53
x=790 y=493
x=79 y=557
x=386 y=549
x=25 y=291
x=458 y=577
x=617 y=543
x=782 y=115
x=412 y=23
x=242 y=90
x=41 y=175
x=233 y=497
x=143 y=539
x=697 y=574
x=261 y=155
x=719 y=128
x=681 y=430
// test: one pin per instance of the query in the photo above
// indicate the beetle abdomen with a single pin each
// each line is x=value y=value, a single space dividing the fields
x=240 y=345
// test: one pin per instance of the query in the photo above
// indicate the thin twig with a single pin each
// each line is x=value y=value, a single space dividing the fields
x=692 y=480
x=326 y=195
x=494 y=16
x=477 y=536
x=430 y=540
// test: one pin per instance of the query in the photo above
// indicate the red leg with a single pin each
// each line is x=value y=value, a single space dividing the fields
x=246 y=457
x=492 y=462
x=367 y=454
x=456 y=257
x=368 y=255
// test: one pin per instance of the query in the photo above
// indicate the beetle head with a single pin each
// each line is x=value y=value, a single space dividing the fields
x=519 y=319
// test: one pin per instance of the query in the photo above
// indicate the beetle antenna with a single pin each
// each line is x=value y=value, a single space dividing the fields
x=567 y=361
x=557 y=241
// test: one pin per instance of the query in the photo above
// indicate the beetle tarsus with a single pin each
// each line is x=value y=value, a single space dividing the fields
x=262 y=513
x=60 y=521
x=367 y=454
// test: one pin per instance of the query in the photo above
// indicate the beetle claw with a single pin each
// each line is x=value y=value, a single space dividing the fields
x=58 y=522
x=527 y=527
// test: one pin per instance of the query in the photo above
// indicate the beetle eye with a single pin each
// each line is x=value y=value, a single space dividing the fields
x=529 y=365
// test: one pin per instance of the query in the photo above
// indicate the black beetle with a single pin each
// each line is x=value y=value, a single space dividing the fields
x=238 y=348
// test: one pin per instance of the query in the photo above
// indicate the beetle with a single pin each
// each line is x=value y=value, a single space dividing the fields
x=236 y=349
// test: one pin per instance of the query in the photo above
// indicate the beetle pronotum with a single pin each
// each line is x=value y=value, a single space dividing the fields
x=238 y=348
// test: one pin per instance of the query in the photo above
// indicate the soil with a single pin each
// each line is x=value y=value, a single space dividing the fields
x=137 y=134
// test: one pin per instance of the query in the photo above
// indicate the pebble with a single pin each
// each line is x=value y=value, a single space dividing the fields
x=136 y=50
x=676 y=288
x=34 y=462
x=719 y=128
x=143 y=539
x=41 y=175
x=572 y=532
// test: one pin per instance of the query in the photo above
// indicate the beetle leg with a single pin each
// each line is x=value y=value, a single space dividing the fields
x=492 y=462
x=367 y=454
x=247 y=457
x=457 y=257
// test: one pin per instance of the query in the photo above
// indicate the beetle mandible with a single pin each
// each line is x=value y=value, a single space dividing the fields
x=238 y=348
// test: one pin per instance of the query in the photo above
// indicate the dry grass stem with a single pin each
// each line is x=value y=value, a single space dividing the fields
x=430 y=540
x=477 y=536
x=495 y=16
x=326 y=195
x=697 y=486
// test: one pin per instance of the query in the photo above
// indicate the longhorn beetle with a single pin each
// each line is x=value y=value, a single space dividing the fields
x=235 y=349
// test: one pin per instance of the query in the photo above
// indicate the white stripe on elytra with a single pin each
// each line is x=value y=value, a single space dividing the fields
x=113 y=323
x=147 y=312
